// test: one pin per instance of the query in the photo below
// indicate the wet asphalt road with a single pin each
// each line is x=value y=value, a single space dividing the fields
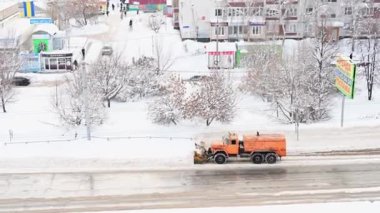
x=251 y=185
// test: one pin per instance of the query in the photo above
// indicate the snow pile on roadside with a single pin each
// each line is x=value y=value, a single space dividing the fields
x=136 y=153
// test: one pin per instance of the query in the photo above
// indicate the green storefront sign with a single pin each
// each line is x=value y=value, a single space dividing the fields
x=40 y=45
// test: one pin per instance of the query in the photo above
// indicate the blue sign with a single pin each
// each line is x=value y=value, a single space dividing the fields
x=41 y=21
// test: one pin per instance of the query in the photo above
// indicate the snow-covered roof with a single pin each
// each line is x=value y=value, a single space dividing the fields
x=51 y=29
x=5 y=5
x=222 y=46
x=16 y=27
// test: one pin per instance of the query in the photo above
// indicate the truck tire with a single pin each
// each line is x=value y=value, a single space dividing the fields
x=220 y=158
x=271 y=158
x=257 y=158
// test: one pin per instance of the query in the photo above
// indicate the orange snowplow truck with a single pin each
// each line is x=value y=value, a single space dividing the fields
x=259 y=148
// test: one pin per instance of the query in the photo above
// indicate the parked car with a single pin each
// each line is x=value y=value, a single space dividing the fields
x=20 y=81
x=107 y=50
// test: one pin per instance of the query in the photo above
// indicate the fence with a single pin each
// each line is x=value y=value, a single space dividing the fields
x=97 y=138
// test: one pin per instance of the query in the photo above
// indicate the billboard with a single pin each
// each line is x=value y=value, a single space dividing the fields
x=345 y=76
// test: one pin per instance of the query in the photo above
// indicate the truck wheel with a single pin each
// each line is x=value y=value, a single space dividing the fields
x=220 y=158
x=271 y=158
x=257 y=158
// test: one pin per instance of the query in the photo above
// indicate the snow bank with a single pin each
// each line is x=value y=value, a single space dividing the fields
x=82 y=154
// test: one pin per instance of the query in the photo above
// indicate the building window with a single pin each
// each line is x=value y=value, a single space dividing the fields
x=309 y=10
x=291 y=12
x=272 y=12
x=218 y=12
x=230 y=30
x=366 y=11
x=231 y=12
x=348 y=11
x=291 y=28
x=257 y=11
x=234 y=30
x=256 y=30
x=219 y=30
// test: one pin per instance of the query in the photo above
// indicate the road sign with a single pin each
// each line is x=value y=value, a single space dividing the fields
x=41 y=21
x=345 y=76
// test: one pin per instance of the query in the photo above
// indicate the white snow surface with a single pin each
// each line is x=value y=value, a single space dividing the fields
x=353 y=207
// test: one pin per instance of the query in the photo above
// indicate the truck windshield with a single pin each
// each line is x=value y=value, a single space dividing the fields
x=225 y=140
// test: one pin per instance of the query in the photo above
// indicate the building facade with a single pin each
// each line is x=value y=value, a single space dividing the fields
x=271 y=19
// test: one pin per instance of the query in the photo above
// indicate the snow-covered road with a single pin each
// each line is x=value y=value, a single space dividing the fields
x=339 y=180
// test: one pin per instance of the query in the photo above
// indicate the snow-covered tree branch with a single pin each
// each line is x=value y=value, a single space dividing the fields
x=72 y=98
x=214 y=100
x=168 y=108
x=109 y=76
x=9 y=64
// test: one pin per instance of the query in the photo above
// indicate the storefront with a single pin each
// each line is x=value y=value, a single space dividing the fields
x=56 y=62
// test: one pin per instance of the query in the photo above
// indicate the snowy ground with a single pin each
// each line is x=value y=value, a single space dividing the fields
x=30 y=118
x=370 y=207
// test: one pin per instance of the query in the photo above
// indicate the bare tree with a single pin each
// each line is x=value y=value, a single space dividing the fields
x=71 y=105
x=155 y=22
x=59 y=11
x=81 y=10
x=369 y=53
x=324 y=50
x=9 y=65
x=261 y=65
x=163 y=57
x=214 y=100
x=168 y=108
x=109 y=76
x=291 y=82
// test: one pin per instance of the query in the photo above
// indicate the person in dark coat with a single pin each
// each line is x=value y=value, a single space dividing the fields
x=130 y=23
x=75 y=63
x=113 y=7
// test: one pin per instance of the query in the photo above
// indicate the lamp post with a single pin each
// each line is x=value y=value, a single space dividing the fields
x=86 y=113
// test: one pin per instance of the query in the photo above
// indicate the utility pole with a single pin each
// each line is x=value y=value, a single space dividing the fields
x=86 y=114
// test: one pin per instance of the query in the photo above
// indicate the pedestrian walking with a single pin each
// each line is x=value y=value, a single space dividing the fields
x=130 y=24
x=113 y=7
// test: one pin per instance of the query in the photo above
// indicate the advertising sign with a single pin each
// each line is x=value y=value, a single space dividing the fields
x=345 y=76
x=40 y=45
x=41 y=21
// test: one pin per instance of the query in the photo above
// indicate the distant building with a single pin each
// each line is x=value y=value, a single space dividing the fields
x=267 y=19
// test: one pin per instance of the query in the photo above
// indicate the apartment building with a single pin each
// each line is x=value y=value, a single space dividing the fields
x=270 y=19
